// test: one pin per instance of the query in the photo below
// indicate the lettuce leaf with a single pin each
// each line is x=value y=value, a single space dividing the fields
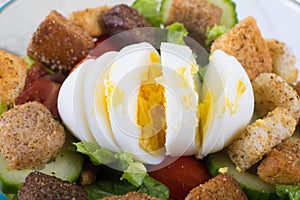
x=29 y=61
x=214 y=32
x=150 y=10
x=176 y=33
x=3 y=108
x=291 y=192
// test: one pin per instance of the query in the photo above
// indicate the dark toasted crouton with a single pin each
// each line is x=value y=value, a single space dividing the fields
x=59 y=43
x=260 y=137
x=246 y=44
x=122 y=18
x=196 y=15
x=221 y=187
x=282 y=164
x=29 y=136
x=131 y=196
x=38 y=186
x=90 y=19
x=12 y=77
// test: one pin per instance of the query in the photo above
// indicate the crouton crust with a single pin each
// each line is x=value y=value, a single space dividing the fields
x=271 y=91
x=59 y=43
x=283 y=60
x=245 y=42
x=131 y=196
x=282 y=164
x=197 y=16
x=260 y=137
x=12 y=77
x=221 y=187
x=90 y=19
x=29 y=136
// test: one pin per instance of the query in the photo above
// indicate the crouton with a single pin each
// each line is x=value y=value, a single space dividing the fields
x=59 y=43
x=29 y=136
x=196 y=15
x=260 y=137
x=283 y=60
x=271 y=91
x=90 y=20
x=131 y=196
x=39 y=186
x=282 y=164
x=220 y=187
x=12 y=77
x=297 y=87
x=245 y=42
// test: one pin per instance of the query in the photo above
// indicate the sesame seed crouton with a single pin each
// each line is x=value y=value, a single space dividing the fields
x=29 y=136
x=221 y=187
x=260 y=137
x=39 y=186
x=90 y=19
x=271 y=91
x=282 y=164
x=196 y=15
x=59 y=43
x=12 y=77
x=245 y=42
x=131 y=196
x=283 y=60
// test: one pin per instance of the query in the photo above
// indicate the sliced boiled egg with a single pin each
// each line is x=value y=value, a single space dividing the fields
x=227 y=102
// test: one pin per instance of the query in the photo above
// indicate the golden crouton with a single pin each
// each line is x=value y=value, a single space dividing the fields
x=260 y=137
x=131 y=196
x=196 y=15
x=59 y=43
x=283 y=60
x=297 y=87
x=271 y=91
x=29 y=136
x=246 y=44
x=220 y=187
x=12 y=77
x=282 y=164
x=90 y=20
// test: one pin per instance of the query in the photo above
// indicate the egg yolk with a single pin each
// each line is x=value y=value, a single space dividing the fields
x=151 y=111
x=205 y=109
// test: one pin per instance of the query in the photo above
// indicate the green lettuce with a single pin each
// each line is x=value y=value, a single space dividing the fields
x=3 y=108
x=29 y=61
x=291 y=192
x=214 y=32
x=150 y=10
x=176 y=33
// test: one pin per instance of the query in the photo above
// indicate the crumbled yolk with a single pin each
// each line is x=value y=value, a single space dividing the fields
x=151 y=110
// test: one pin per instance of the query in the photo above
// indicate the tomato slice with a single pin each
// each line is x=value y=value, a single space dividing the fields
x=103 y=45
x=43 y=91
x=182 y=175
x=36 y=71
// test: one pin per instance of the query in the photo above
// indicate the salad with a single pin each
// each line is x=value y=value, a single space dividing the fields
x=147 y=109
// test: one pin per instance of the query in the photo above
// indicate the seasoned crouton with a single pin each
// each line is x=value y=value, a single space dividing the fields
x=131 y=196
x=271 y=91
x=297 y=88
x=246 y=44
x=282 y=164
x=283 y=60
x=12 y=77
x=90 y=19
x=196 y=15
x=220 y=187
x=59 y=43
x=29 y=136
x=260 y=137
x=39 y=186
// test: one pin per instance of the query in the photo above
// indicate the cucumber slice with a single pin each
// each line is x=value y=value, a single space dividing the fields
x=229 y=16
x=249 y=181
x=67 y=166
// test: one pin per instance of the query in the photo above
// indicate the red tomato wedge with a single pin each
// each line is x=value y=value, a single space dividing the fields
x=182 y=175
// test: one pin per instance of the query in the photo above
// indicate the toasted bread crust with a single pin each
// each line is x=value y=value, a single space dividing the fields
x=282 y=164
x=131 y=196
x=29 y=136
x=221 y=187
x=12 y=77
x=59 y=43
x=260 y=137
x=90 y=19
x=246 y=44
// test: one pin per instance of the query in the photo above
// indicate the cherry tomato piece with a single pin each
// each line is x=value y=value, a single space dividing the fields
x=103 y=45
x=43 y=91
x=36 y=71
x=182 y=175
